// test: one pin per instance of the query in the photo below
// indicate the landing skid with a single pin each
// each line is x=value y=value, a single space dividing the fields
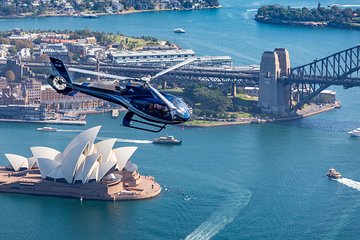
x=128 y=119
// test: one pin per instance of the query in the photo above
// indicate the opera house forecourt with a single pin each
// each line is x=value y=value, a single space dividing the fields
x=85 y=170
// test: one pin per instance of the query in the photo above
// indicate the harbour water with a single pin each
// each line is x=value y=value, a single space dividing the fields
x=244 y=182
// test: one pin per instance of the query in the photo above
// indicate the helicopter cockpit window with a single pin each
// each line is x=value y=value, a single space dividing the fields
x=151 y=108
x=161 y=109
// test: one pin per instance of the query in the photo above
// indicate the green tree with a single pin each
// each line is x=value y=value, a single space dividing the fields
x=10 y=76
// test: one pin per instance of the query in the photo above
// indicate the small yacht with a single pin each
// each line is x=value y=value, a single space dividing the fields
x=47 y=129
x=167 y=140
x=179 y=30
x=332 y=173
x=355 y=132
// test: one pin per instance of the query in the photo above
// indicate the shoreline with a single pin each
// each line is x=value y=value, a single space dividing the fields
x=55 y=122
x=321 y=109
x=104 y=14
x=311 y=24
x=29 y=182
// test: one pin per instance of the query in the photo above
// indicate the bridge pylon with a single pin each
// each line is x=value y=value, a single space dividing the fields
x=274 y=96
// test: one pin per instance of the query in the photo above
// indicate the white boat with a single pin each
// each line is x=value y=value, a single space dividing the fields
x=332 y=173
x=179 y=30
x=47 y=129
x=167 y=140
x=355 y=132
x=115 y=113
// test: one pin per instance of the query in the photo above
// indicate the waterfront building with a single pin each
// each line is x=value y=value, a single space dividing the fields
x=165 y=58
x=326 y=96
x=22 y=112
x=103 y=172
x=58 y=50
x=55 y=101
x=32 y=92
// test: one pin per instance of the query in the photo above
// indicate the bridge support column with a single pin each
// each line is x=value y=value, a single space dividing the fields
x=274 y=97
x=164 y=84
x=234 y=92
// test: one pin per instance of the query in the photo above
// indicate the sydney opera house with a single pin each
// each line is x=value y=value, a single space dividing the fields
x=85 y=170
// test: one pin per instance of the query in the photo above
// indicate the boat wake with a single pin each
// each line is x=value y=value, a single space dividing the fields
x=229 y=209
x=350 y=183
x=128 y=140
x=68 y=130
x=252 y=10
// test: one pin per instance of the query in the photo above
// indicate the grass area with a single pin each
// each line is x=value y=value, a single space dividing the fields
x=133 y=43
x=200 y=122
x=246 y=97
x=244 y=115
x=173 y=90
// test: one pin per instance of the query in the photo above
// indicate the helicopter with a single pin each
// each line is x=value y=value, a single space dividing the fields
x=140 y=98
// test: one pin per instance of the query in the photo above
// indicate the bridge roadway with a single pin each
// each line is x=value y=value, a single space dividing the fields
x=241 y=76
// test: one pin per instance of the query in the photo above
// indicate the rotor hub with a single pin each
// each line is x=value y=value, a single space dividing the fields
x=59 y=83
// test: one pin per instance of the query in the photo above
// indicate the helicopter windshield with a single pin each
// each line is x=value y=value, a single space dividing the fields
x=182 y=110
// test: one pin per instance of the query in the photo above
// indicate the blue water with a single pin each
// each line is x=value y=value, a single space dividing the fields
x=245 y=182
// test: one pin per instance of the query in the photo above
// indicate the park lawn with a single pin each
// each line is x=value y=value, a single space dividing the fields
x=246 y=97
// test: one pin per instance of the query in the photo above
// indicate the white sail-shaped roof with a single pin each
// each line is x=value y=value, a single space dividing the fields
x=123 y=155
x=82 y=160
x=45 y=152
x=131 y=167
x=79 y=173
x=47 y=166
x=54 y=173
x=17 y=161
x=91 y=164
x=72 y=161
x=31 y=162
x=104 y=168
x=87 y=136
x=105 y=148
x=94 y=175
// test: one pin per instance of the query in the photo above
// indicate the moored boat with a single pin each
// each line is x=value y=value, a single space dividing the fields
x=167 y=140
x=332 y=173
x=47 y=129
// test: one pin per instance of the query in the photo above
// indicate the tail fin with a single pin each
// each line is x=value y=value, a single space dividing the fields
x=59 y=78
x=58 y=65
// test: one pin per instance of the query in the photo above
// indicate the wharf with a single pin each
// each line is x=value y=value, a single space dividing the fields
x=30 y=182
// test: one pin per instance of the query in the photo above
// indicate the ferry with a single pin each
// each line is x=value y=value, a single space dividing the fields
x=355 y=132
x=332 y=173
x=167 y=140
x=115 y=113
x=179 y=30
x=47 y=129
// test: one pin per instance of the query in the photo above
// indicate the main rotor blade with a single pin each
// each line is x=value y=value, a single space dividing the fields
x=167 y=102
x=100 y=74
x=174 y=67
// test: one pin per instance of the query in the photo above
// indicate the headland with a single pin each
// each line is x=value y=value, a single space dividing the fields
x=333 y=16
